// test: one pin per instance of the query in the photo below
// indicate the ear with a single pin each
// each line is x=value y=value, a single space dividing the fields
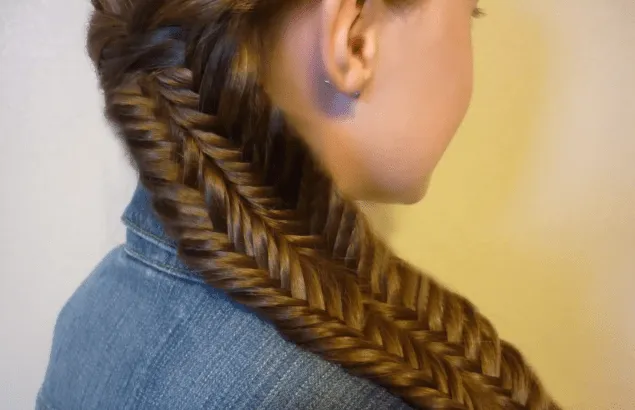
x=349 y=43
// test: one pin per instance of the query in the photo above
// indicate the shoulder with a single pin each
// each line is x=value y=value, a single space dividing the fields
x=134 y=337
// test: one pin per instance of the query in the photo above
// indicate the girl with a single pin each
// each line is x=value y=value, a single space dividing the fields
x=249 y=278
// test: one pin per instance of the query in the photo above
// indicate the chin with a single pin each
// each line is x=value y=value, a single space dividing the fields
x=407 y=195
x=413 y=193
x=412 y=196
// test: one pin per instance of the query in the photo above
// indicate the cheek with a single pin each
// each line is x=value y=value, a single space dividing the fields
x=420 y=96
x=440 y=79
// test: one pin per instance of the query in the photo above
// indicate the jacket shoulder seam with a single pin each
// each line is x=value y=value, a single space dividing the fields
x=165 y=268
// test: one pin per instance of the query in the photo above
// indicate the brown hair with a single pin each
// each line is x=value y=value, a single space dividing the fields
x=256 y=217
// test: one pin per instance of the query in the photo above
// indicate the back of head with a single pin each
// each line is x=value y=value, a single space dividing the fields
x=252 y=203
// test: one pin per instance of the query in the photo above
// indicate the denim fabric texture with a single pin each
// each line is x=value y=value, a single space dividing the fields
x=143 y=332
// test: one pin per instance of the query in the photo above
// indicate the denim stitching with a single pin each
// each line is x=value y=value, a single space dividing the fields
x=170 y=270
x=160 y=242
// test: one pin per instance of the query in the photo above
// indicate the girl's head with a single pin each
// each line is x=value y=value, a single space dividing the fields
x=376 y=89
x=247 y=119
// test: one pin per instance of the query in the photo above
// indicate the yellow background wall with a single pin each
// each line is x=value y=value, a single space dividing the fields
x=531 y=214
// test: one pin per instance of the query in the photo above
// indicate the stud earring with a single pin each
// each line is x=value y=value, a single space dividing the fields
x=354 y=95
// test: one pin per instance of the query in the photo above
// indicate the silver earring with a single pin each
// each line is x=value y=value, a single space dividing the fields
x=355 y=95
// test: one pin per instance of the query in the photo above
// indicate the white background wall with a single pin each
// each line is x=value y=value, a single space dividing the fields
x=63 y=181
x=531 y=213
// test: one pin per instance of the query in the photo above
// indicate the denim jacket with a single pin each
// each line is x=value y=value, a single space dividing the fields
x=143 y=332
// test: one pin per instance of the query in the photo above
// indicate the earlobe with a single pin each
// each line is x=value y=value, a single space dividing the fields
x=348 y=44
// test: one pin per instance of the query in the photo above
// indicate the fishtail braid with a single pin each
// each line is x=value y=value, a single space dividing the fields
x=177 y=75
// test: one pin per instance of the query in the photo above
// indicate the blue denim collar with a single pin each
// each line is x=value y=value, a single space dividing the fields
x=147 y=241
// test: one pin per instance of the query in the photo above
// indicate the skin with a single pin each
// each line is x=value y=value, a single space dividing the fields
x=413 y=69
